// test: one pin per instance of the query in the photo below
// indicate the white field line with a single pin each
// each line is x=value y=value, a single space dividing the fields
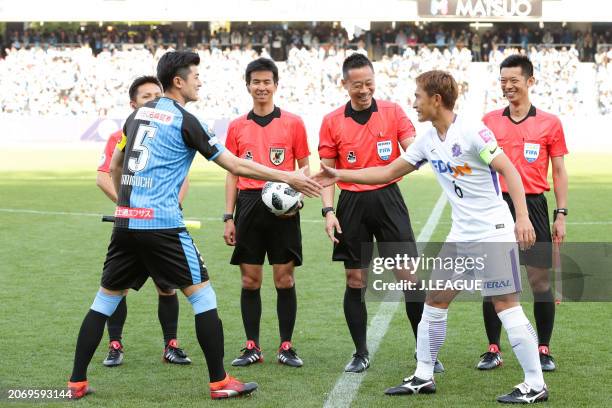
x=347 y=384
x=308 y=220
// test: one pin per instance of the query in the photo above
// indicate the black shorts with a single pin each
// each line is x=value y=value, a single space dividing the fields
x=378 y=213
x=540 y=255
x=259 y=232
x=168 y=256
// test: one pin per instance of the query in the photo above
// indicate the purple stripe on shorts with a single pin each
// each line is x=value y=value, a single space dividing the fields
x=515 y=272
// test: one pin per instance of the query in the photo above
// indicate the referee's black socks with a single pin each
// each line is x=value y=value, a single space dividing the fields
x=544 y=314
x=356 y=316
x=89 y=338
x=209 y=331
x=250 y=307
x=286 y=309
x=414 y=307
x=167 y=312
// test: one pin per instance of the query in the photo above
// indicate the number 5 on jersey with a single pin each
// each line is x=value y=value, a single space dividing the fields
x=139 y=162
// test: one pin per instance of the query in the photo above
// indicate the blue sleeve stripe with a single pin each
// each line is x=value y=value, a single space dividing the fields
x=220 y=149
x=192 y=257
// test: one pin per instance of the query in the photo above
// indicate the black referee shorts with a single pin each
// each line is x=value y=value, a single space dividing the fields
x=364 y=215
x=540 y=255
x=168 y=256
x=259 y=232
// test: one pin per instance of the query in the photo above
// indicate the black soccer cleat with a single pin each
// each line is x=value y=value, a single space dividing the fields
x=288 y=356
x=491 y=359
x=250 y=354
x=438 y=367
x=546 y=360
x=358 y=364
x=115 y=354
x=523 y=394
x=413 y=385
x=175 y=355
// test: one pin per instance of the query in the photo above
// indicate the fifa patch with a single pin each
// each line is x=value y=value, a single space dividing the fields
x=213 y=140
x=456 y=150
x=277 y=155
x=384 y=149
x=531 y=151
x=102 y=159
x=351 y=157
x=248 y=155
x=486 y=135
x=154 y=115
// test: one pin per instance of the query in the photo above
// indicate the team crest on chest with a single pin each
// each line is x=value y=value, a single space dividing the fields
x=531 y=151
x=351 y=157
x=248 y=155
x=384 y=149
x=277 y=155
x=456 y=150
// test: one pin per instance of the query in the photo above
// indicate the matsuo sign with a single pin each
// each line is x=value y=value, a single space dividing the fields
x=481 y=9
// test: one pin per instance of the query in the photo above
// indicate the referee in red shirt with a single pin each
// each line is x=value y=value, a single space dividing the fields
x=275 y=138
x=366 y=133
x=531 y=138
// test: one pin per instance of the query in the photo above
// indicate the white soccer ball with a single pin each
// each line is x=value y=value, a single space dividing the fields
x=280 y=198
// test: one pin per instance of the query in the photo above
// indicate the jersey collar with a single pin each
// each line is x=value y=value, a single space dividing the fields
x=360 y=117
x=263 y=121
x=532 y=112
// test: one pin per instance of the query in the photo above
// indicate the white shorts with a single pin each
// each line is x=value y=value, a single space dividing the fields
x=490 y=265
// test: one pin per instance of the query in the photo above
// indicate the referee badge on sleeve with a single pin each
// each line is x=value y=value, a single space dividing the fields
x=277 y=155
x=531 y=151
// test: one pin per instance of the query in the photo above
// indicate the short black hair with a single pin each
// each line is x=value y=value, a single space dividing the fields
x=261 y=64
x=145 y=79
x=518 y=60
x=354 y=61
x=175 y=63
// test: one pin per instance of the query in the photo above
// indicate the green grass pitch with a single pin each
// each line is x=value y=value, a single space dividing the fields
x=50 y=267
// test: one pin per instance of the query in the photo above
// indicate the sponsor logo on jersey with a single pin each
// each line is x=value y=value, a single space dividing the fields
x=457 y=171
x=248 y=155
x=138 y=213
x=486 y=135
x=351 y=157
x=456 y=150
x=531 y=151
x=384 y=149
x=154 y=115
x=277 y=155
x=498 y=284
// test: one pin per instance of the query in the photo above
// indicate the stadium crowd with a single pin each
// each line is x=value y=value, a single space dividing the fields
x=603 y=75
x=278 y=39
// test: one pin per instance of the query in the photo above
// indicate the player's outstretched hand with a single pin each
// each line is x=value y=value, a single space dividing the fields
x=229 y=235
x=299 y=181
x=327 y=176
x=331 y=224
x=525 y=234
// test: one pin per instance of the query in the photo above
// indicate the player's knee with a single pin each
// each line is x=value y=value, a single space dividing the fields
x=251 y=282
x=105 y=303
x=203 y=300
x=354 y=278
x=539 y=284
x=170 y=292
x=284 y=281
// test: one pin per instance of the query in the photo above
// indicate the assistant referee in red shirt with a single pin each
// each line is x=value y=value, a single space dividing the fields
x=366 y=133
x=531 y=138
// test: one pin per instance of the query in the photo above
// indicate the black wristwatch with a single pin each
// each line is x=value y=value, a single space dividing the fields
x=325 y=210
x=227 y=217
x=560 y=211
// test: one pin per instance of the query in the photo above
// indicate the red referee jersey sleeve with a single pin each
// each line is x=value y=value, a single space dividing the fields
x=556 y=142
x=405 y=128
x=327 y=146
x=230 y=139
x=300 y=141
x=109 y=149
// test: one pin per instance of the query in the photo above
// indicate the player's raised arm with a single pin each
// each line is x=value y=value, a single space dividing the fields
x=248 y=168
x=371 y=175
x=525 y=234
